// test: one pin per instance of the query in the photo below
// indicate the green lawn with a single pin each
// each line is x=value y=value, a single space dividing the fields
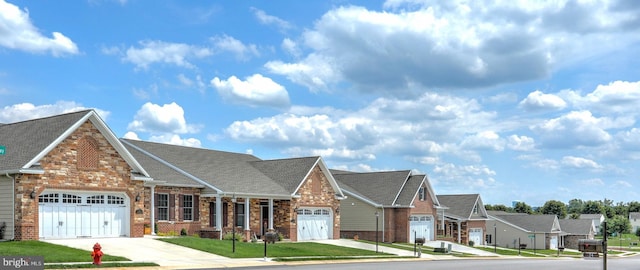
x=52 y=253
x=279 y=249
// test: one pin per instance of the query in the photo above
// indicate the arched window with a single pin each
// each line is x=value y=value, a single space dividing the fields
x=88 y=153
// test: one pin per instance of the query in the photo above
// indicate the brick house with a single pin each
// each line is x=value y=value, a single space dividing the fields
x=574 y=230
x=197 y=189
x=402 y=203
x=68 y=176
x=464 y=218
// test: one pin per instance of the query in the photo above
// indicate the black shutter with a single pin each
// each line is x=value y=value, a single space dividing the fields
x=225 y=215
x=196 y=208
x=180 y=207
x=155 y=207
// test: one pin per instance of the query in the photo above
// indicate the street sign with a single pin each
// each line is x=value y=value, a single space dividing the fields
x=3 y=149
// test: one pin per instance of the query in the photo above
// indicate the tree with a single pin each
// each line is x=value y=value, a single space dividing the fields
x=575 y=206
x=554 y=207
x=574 y=216
x=522 y=207
x=498 y=207
x=634 y=206
x=592 y=207
x=618 y=224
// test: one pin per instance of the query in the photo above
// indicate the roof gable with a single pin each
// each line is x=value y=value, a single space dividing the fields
x=577 y=226
x=36 y=138
x=533 y=223
x=381 y=188
x=462 y=206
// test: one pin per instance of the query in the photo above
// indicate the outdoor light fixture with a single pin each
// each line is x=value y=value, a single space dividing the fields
x=32 y=195
x=138 y=197
x=338 y=210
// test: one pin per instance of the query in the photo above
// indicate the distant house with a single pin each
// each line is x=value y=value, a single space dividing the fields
x=576 y=229
x=464 y=218
x=512 y=229
x=596 y=218
x=403 y=203
x=634 y=218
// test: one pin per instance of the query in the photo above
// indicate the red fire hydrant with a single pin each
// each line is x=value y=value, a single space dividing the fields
x=97 y=254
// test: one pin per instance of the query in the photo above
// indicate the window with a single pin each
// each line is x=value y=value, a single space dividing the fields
x=422 y=194
x=213 y=214
x=163 y=206
x=48 y=198
x=70 y=198
x=115 y=200
x=187 y=207
x=96 y=199
x=475 y=209
x=239 y=214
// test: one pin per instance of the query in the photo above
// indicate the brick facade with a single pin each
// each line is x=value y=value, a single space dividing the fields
x=61 y=172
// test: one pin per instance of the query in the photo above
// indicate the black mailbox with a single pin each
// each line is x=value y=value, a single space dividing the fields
x=588 y=245
x=271 y=237
x=420 y=241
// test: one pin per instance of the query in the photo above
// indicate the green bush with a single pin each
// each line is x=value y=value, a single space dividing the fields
x=229 y=236
x=471 y=243
x=183 y=232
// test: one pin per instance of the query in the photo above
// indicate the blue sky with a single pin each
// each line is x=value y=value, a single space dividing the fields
x=515 y=100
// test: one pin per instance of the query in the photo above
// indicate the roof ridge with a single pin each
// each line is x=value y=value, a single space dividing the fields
x=48 y=117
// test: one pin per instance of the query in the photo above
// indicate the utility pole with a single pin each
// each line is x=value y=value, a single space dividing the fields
x=604 y=246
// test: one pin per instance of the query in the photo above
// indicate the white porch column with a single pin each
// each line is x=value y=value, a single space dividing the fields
x=218 y=210
x=270 y=214
x=246 y=214
x=459 y=229
x=153 y=209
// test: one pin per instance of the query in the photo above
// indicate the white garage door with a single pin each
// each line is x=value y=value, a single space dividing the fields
x=421 y=227
x=475 y=235
x=314 y=224
x=72 y=215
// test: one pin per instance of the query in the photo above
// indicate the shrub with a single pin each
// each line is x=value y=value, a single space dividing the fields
x=183 y=232
x=471 y=243
x=229 y=236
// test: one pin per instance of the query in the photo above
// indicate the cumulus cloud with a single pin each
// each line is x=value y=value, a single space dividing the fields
x=19 y=33
x=577 y=128
x=26 y=111
x=472 y=177
x=153 y=51
x=538 y=101
x=618 y=97
x=168 y=118
x=176 y=139
x=229 y=44
x=520 y=143
x=485 y=140
x=417 y=45
x=256 y=90
x=579 y=163
x=629 y=140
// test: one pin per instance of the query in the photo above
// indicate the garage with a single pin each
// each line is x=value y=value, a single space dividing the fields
x=72 y=215
x=475 y=235
x=421 y=226
x=314 y=224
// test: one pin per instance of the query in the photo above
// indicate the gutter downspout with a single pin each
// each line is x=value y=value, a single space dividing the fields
x=13 y=205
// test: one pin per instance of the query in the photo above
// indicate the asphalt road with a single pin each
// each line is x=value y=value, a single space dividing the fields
x=482 y=264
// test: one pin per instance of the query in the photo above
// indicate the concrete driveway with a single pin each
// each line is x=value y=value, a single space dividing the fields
x=148 y=249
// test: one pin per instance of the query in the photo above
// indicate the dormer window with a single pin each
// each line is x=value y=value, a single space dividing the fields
x=475 y=209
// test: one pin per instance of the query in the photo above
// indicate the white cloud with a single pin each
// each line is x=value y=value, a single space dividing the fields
x=619 y=97
x=423 y=45
x=168 y=118
x=313 y=72
x=256 y=90
x=151 y=52
x=471 y=177
x=131 y=136
x=485 y=140
x=624 y=184
x=176 y=140
x=592 y=182
x=19 y=33
x=267 y=19
x=629 y=140
x=577 y=128
x=291 y=47
x=230 y=44
x=538 y=101
x=579 y=163
x=520 y=143
x=26 y=111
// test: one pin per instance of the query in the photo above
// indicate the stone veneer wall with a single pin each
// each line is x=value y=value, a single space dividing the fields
x=112 y=174
x=323 y=196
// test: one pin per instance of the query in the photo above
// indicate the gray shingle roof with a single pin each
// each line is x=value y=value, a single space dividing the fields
x=533 y=223
x=227 y=171
x=462 y=205
x=410 y=189
x=25 y=140
x=378 y=187
x=288 y=173
x=576 y=226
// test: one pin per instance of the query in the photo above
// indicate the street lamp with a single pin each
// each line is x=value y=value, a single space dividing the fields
x=377 y=215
